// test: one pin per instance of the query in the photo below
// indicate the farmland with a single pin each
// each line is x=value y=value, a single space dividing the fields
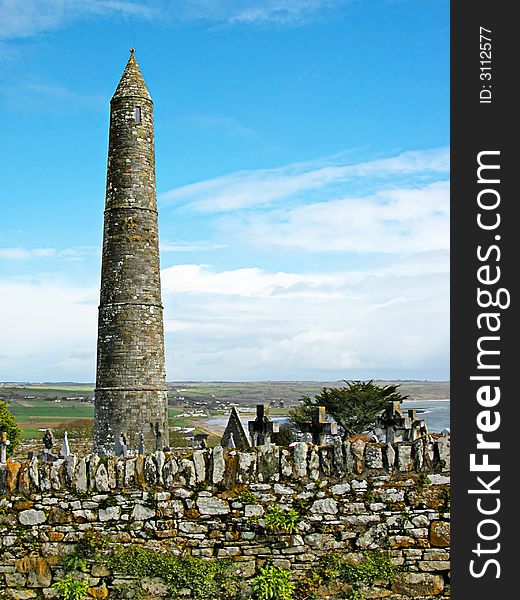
x=52 y=405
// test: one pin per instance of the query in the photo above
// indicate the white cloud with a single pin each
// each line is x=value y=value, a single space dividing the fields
x=387 y=321
x=76 y=253
x=195 y=246
x=18 y=253
x=24 y=18
x=335 y=175
x=248 y=323
x=392 y=221
x=46 y=323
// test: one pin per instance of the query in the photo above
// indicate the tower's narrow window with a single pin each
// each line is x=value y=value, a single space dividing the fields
x=137 y=114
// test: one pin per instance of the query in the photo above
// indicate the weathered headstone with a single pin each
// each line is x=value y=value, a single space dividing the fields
x=262 y=428
x=320 y=427
x=65 y=448
x=235 y=430
x=397 y=426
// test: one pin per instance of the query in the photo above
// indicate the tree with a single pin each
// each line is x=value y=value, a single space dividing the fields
x=285 y=436
x=354 y=406
x=10 y=426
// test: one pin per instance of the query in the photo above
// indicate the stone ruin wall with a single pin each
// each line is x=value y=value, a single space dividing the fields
x=210 y=503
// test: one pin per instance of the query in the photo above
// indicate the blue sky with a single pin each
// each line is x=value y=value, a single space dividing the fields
x=302 y=152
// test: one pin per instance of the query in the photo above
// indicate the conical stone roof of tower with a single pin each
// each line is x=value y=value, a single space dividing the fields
x=131 y=84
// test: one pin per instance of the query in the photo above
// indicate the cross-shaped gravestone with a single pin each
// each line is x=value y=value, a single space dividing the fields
x=4 y=442
x=261 y=429
x=320 y=427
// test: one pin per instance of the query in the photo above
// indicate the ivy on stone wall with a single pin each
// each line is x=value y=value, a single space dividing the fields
x=203 y=578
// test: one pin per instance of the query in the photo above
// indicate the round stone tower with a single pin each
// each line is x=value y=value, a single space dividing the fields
x=131 y=394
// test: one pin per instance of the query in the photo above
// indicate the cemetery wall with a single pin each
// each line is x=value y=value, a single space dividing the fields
x=349 y=498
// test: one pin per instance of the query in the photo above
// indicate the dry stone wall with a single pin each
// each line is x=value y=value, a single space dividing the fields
x=351 y=498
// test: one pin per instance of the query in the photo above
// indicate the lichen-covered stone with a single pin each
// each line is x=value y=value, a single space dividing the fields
x=357 y=449
x=212 y=506
x=32 y=517
x=300 y=459
x=325 y=506
x=141 y=512
x=81 y=476
x=443 y=452
x=404 y=457
x=440 y=533
x=150 y=470
x=418 y=584
x=268 y=458
x=373 y=457
x=101 y=479
x=199 y=463
x=110 y=513
x=218 y=464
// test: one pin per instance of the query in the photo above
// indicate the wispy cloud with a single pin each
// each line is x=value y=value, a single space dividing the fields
x=189 y=246
x=25 y=18
x=338 y=174
x=398 y=204
x=51 y=97
x=281 y=12
x=20 y=253
x=396 y=221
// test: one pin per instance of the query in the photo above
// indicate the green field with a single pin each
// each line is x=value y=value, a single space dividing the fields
x=34 y=406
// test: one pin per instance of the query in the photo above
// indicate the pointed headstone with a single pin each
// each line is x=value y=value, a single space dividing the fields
x=65 y=448
x=235 y=430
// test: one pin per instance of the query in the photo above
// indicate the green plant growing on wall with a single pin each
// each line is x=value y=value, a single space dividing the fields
x=71 y=589
x=273 y=583
x=91 y=543
x=10 y=426
x=422 y=481
x=281 y=521
x=74 y=562
x=204 y=578
x=247 y=497
x=375 y=565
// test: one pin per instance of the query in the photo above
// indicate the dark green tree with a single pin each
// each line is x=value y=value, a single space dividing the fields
x=10 y=426
x=285 y=436
x=353 y=406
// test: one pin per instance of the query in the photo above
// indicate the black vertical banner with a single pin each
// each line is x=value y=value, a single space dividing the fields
x=485 y=365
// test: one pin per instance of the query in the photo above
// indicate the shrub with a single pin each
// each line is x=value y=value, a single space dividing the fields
x=273 y=583
x=10 y=426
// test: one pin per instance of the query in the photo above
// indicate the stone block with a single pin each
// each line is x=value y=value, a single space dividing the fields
x=418 y=584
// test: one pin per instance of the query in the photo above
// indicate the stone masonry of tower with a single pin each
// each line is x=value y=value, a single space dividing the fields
x=131 y=394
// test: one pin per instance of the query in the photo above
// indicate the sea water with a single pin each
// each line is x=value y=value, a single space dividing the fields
x=436 y=413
